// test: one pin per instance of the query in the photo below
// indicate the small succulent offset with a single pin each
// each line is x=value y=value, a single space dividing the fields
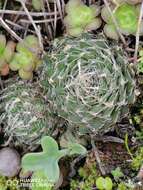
x=81 y=18
x=26 y=115
x=137 y=161
x=26 y=59
x=6 y=54
x=89 y=82
x=46 y=161
x=117 y=174
x=87 y=180
x=132 y=2
x=140 y=62
x=104 y=183
x=126 y=16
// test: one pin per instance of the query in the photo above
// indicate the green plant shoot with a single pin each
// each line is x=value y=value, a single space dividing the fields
x=104 y=183
x=47 y=161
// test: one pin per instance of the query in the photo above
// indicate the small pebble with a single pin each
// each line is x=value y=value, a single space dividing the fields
x=9 y=162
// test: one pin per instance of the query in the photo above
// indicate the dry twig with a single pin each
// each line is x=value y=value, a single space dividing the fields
x=35 y=14
x=9 y=30
x=32 y=22
x=96 y=154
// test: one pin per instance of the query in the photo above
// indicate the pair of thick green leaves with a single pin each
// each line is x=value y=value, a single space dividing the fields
x=47 y=161
x=104 y=183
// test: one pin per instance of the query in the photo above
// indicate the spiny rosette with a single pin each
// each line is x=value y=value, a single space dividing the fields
x=26 y=115
x=89 y=82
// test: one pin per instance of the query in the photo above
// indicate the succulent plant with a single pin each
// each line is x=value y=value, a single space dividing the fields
x=89 y=83
x=46 y=162
x=81 y=18
x=104 y=183
x=26 y=115
x=133 y=2
x=126 y=16
x=6 y=54
x=26 y=60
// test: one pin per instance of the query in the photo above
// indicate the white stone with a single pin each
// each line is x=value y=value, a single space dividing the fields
x=9 y=162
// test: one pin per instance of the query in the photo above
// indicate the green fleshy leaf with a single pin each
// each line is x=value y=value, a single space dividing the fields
x=76 y=148
x=2 y=44
x=34 y=161
x=49 y=145
x=104 y=183
x=47 y=161
x=127 y=19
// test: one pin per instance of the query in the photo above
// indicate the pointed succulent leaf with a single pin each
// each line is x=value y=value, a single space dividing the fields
x=76 y=148
x=62 y=153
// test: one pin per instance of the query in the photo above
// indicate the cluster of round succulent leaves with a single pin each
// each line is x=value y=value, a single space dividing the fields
x=133 y=2
x=26 y=115
x=126 y=16
x=81 y=18
x=26 y=59
x=6 y=53
x=89 y=83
